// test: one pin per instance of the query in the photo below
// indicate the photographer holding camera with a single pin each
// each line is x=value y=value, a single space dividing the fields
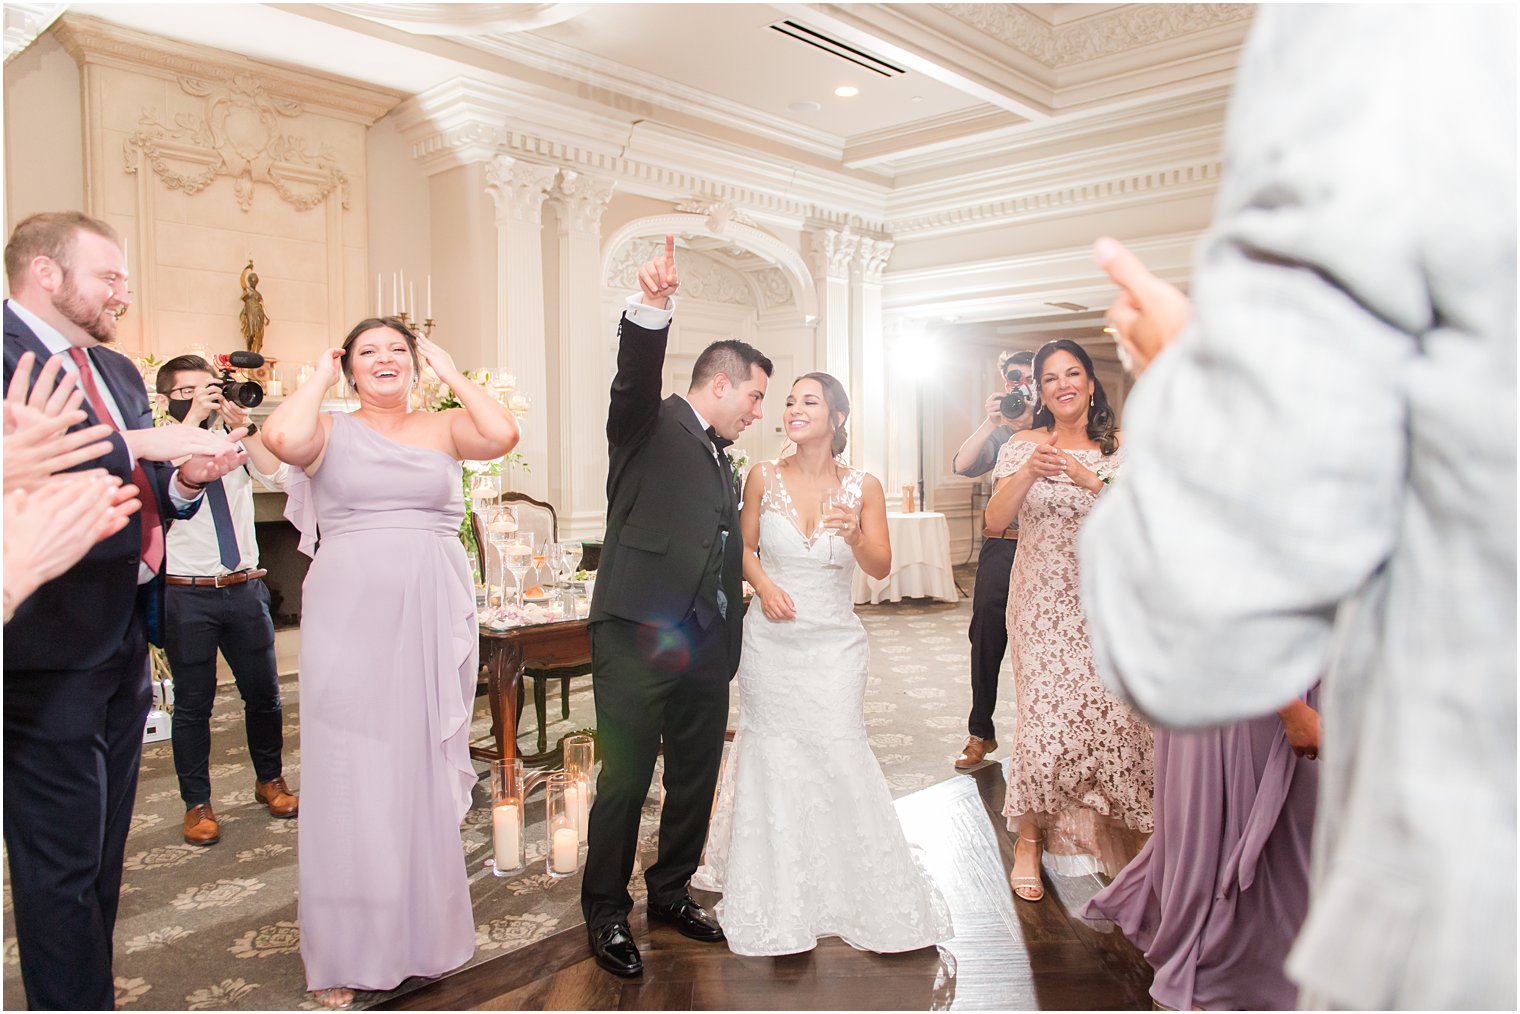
x=1007 y=413
x=217 y=600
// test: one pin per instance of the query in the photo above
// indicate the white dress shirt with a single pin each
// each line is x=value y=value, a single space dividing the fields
x=193 y=549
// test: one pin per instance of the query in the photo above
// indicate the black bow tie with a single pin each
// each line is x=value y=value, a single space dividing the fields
x=717 y=441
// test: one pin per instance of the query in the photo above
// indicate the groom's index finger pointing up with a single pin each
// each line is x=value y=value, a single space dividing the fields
x=670 y=250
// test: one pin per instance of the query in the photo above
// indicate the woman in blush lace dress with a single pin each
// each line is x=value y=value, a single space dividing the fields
x=805 y=841
x=388 y=661
x=1079 y=780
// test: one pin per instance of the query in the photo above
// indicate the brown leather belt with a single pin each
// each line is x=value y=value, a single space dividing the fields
x=1011 y=534
x=220 y=581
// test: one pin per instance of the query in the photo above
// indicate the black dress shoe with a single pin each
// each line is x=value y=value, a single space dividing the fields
x=690 y=918
x=615 y=950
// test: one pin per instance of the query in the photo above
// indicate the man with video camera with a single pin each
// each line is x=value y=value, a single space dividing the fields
x=217 y=600
x=1007 y=413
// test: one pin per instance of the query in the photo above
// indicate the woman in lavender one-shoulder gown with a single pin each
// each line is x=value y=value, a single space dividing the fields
x=388 y=661
x=1218 y=894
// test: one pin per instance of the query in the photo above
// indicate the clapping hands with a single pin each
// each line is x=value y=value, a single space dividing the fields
x=37 y=441
x=1049 y=461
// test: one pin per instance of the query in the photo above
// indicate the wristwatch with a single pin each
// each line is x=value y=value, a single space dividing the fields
x=253 y=428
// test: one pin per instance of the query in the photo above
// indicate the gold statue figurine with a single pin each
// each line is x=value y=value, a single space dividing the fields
x=252 y=319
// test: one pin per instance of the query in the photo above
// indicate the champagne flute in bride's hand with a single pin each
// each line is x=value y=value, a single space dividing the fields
x=828 y=504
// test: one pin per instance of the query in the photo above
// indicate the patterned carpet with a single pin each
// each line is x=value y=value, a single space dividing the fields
x=215 y=928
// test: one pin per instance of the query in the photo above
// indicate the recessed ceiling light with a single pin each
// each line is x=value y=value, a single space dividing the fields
x=807 y=106
x=916 y=98
x=847 y=91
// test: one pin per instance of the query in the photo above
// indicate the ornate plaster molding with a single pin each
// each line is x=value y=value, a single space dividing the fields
x=719 y=213
x=756 y=241
x=773 y=287
x=581 y=200
x=871 y=257
x=833 y=250
x=93 y=41
x=238 y=137
x=1111 y=33
x=24 y=22
x=702 y=277
x=1201 y=176
x=518 y=188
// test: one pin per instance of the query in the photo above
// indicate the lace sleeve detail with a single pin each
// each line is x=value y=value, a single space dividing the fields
x=1012 y=457
x=772 y=496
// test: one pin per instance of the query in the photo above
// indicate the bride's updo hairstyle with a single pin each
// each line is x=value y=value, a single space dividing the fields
x=369 y=324
x=839 y=406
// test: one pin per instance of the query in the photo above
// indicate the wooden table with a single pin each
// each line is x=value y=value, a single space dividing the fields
x=505 y=654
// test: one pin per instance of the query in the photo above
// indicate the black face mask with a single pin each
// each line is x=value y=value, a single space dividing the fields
x=179 y=408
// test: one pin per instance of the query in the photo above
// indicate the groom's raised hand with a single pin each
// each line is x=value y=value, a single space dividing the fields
x=658 y=276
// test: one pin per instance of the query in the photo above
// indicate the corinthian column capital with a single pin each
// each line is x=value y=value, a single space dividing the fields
x=581 y=200
x=872 y=256
x=518 y=188
x=833 y=249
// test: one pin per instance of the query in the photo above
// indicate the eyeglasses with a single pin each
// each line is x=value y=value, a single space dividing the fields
x=183 y=393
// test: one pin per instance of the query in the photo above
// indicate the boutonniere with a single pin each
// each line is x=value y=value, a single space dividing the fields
x=736 y=463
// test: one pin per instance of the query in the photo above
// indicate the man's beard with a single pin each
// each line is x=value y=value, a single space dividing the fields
x=100 y=325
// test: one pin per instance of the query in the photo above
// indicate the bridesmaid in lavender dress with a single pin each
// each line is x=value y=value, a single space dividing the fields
x=1218 y=894
x=388 y=661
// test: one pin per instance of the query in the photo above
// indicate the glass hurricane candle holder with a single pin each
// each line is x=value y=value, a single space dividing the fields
x=562 y=856
x=507 y=853
x=580 y=758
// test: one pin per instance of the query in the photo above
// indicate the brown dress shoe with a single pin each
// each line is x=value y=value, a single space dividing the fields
x=974 y=752
x=200 y=826
x=276 y=795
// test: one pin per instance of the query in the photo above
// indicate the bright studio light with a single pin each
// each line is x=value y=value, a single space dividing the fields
x=847 y=91
x=920 y=352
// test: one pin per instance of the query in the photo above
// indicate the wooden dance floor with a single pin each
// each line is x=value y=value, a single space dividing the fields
x=1006 y=954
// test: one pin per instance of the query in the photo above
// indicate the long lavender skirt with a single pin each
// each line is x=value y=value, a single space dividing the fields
x=388 y=662
x=1218 y=894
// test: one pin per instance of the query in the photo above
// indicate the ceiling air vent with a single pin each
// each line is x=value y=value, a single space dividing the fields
x=843 y=50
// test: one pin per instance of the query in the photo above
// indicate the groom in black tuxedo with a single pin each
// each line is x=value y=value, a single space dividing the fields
x=667 y=614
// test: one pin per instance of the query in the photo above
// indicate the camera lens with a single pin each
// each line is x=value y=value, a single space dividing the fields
x=1013 y=404
x=247 y=394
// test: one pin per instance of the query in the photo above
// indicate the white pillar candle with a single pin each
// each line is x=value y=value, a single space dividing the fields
x=564 y=850
x=411 y=302
x=395 y=298
x=378 y=311
x=573 y=808
x=506 y=834
x=430 y=297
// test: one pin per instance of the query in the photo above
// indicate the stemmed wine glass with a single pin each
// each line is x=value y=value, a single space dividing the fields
x=554 y=564
x=517 y=557
x=837 y=499
x=570 y=553
x=501 y=528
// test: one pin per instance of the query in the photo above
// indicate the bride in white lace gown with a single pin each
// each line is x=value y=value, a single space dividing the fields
x=805 y=841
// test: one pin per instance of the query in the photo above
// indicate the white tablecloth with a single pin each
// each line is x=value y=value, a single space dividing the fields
x=920 y=562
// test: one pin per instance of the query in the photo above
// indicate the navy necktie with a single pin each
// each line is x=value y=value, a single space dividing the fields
x=221 y=517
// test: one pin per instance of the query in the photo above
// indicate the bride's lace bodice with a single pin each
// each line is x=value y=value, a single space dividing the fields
x=795 y=558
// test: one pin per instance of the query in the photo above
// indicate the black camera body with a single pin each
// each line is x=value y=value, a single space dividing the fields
x=242 y=392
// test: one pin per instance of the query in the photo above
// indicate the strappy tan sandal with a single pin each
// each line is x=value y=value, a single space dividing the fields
x=1030 y=889
x=336 y=998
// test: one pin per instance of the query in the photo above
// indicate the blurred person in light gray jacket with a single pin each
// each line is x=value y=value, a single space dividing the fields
x=1356 y=516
